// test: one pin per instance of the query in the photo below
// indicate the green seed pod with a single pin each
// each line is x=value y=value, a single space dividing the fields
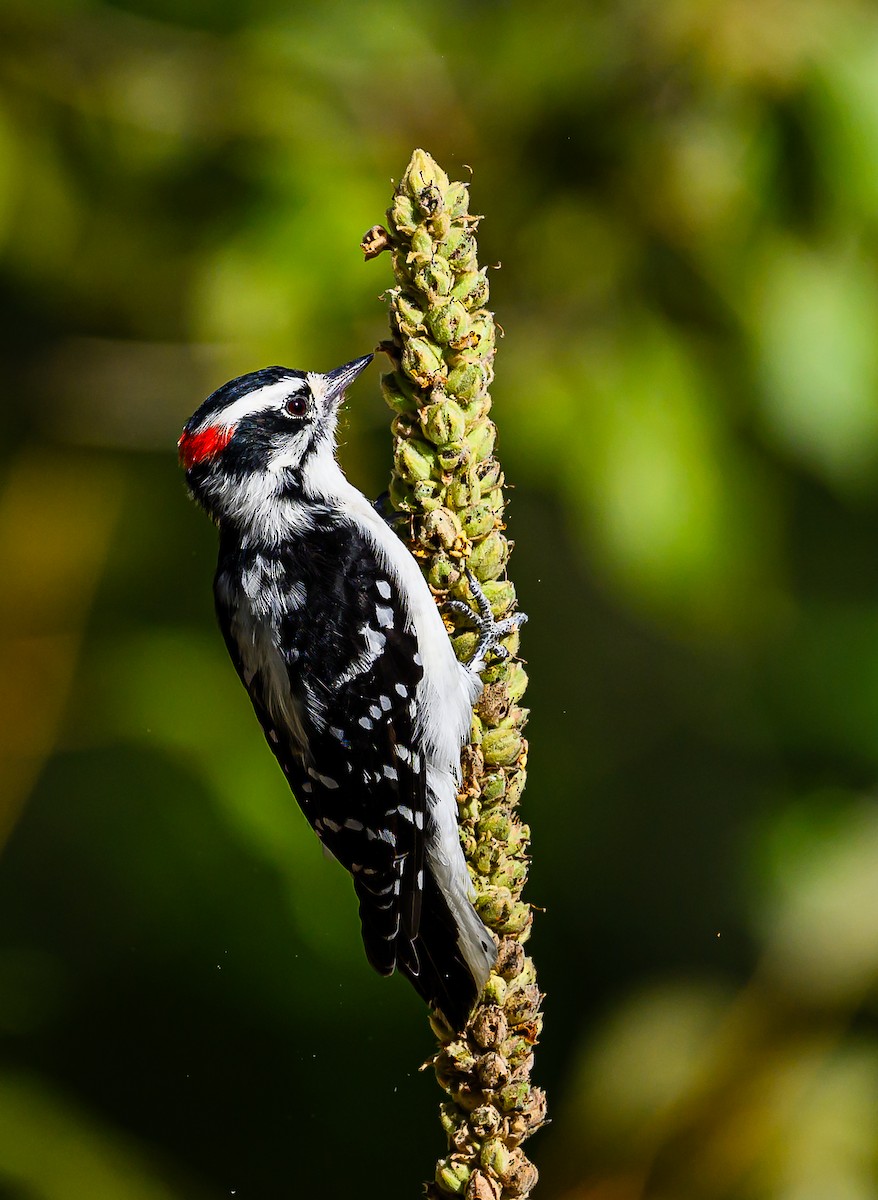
x=401 y=214
x=477 y=408
x=409 y=315
x=495 y=498
x=501 y=747
x=480 y=440
x=494 y=1156
x=422 y=172
x=403 y=384
x=464 y=490
x=511 y=645
x=422 y=247
x=413 y=459
x=511 y=873
x=451 y=456
x=443 y=422
x=395 y=397
x=495 y=990
x=528 y=974
x=450 y=1119
x=489 y=556
x=500 y=594
x=401 y=495
x=482 y=858
x=440 y=224
x=444 y=573
x=482 y=325
x=495 y=825
x=493 y=786
x=448 y=241
x=517 y=921
x=422 y=362
x=518 y=837
x=464 y=645
x=518 y=1050
x=513 y=1098
x=472 y=289
x=428 y=494
x=516 y=718
x=457 y=199
x=478 y=520
x=515 y=782
x=467 y=381
x=460 y=1054
x=452 y=1176
x=494 y=906
x=476 y=731
x=490 y=475
x=448 y=321
x=435 y=278
x=462 y=256
x=469 y=810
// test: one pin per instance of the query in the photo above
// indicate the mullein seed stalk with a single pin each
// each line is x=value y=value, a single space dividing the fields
x=448 y=483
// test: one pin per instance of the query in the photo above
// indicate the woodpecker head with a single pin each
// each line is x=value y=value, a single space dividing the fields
x=264 y=434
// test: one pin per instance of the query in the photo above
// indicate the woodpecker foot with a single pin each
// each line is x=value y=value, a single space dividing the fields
x=491 y=632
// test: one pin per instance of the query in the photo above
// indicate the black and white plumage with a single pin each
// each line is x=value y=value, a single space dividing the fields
x=346 y=659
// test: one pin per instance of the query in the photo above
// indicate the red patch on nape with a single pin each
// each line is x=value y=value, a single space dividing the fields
x=195 y=448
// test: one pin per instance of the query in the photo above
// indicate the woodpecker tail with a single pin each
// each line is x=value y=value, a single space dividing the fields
x=449 y=960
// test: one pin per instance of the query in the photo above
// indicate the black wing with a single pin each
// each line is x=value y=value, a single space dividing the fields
x=347 y=740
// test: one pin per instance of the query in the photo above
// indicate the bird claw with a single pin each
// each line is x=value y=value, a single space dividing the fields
x=491 y=632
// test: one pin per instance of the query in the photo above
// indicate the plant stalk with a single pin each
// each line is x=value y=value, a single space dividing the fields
x=448 y=482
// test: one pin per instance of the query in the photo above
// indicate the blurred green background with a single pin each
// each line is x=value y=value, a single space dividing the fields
x=683 y=196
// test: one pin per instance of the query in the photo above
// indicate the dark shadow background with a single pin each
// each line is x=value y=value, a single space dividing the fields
x=683 y=196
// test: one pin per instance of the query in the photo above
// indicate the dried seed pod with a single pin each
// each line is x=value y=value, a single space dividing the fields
x=482 y=1187
x=440 y=528
x=489 y=1026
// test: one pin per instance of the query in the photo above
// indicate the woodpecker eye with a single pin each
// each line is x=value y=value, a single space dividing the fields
x=297 y=405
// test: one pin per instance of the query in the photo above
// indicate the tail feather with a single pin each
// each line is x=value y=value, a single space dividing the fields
x=435 y=964
x=449 y=957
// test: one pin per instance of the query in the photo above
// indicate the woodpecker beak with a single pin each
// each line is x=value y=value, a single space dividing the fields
x=338 y=380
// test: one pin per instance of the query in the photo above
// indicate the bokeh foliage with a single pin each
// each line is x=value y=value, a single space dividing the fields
x=684 y=199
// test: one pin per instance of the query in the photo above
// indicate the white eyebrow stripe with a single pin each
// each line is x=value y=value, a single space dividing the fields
x=271 y=394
